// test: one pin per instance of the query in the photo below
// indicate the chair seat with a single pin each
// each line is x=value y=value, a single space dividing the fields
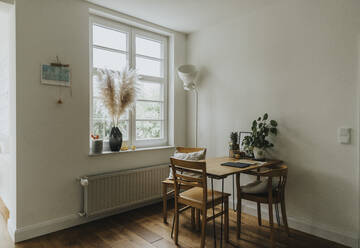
x=195 y=194
x=168 y=181
x=261 y=197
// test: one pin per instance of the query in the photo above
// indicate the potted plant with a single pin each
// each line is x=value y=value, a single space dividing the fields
x=233 y=145
x=118 y=93
x=257 y=142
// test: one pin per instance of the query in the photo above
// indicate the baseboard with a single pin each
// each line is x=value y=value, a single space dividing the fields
x=57 y=224
x=348 y=239
x=11 y=229
x=49 y=226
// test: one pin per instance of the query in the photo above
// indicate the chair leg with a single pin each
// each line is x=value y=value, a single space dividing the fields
x=203 y=228
x=283 y=213
x=176 y=215
x=277 y=214
x=176 y=223
x=193 y=218
x=259 y=213
x=164 y=196
x=173 y=225
x=271 y=222
x=226 y=227
x=197 y=219
x=239 y=210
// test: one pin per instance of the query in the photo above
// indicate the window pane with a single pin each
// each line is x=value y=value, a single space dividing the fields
x=124 y=128
x=148 y=47
x=109 y=38
x=98 y=109
x=125 y=116
x=108 y=60
x=99 y=128
x=148 y=110
x=148 y=130
x=108 y=125
x=96 y=90
x=150 y=91
x=148 y=67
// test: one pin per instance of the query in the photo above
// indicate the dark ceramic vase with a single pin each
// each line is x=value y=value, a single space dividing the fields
x=115 y=140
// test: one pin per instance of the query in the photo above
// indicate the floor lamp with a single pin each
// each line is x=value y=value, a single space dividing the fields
x=188 y=75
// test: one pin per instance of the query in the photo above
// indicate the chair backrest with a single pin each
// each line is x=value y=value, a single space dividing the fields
x=190 y=149
x=178 y=166
x=279 y=171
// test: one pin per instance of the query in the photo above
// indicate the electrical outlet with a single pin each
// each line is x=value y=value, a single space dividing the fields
x=343 y=135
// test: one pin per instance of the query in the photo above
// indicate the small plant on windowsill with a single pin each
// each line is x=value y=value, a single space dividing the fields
x=257 y=142
x=118 y=93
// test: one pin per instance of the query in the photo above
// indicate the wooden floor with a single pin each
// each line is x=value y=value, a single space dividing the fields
x=143 y=228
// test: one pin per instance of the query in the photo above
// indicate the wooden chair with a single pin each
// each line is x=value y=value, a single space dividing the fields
x=198 y=197
x=169 y=183
x=272 y=196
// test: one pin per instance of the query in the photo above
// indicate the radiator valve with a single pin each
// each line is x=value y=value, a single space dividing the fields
x=84 y=182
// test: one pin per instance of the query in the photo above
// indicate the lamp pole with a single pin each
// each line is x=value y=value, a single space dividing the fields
x=196 y=115
x=189 y=75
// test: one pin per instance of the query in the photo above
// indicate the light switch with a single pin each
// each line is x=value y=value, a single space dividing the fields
x=344 y=135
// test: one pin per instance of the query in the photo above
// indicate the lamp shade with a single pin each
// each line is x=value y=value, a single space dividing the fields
x=187 y=74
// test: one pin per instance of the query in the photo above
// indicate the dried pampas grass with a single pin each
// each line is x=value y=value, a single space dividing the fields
x=127 y=90
x=118 y=91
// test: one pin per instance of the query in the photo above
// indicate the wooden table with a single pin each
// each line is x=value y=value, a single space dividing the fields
x=215 y=170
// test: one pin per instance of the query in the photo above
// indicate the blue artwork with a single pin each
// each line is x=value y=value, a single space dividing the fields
x=55 y=75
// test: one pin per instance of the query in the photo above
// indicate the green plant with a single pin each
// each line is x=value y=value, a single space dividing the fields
x=234 y=141
x=234 y=137
x=260 y=130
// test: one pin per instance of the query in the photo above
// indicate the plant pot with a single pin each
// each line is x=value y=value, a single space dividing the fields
x=115 y=139
x=235 y=146
x=258 y=153
x=97 y=146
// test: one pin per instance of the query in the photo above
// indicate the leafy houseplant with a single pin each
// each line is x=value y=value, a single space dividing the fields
x=234 y=141
x=118 y=93
x=234 y=147
x=257 y=142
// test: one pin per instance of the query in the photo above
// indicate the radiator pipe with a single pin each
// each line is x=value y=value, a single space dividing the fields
x=82 y=214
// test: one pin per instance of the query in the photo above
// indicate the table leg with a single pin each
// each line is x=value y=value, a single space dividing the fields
x=222 y=210
x=213 y=209
x=277 y=213
x=233 y=194
x=164 y=196
x=238 y=209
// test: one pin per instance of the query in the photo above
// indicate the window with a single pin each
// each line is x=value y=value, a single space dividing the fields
x=114 y=46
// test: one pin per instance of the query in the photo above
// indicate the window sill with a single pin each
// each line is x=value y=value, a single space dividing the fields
x=136 y=150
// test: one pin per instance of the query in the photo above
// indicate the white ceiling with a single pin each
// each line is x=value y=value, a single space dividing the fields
x=183 y=15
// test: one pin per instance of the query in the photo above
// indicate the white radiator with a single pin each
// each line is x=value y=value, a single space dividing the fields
x=111 y=191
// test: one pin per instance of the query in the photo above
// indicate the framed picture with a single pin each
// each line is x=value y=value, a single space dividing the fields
x=55 y=75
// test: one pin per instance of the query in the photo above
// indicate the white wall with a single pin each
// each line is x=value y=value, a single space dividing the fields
x=298 y=61
x=7 y=112
x=53 y=140
x=4 y=78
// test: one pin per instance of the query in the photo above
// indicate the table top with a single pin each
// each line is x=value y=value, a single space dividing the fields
x=215 y=169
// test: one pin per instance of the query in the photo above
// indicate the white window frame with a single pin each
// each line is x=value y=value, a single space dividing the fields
x=132 y=32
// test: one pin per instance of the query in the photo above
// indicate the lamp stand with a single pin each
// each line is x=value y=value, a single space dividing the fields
x=196 y=116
